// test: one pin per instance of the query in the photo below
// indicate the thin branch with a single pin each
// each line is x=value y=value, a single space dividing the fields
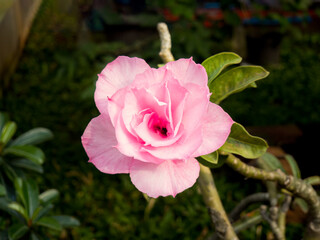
x=244 y=203
x=294 y=185
x=165 y=39
x=273 y=224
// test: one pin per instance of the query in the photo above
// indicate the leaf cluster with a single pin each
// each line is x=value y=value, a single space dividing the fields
x=28 y=212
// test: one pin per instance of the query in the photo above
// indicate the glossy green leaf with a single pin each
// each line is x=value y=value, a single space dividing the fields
x=8 y=131
x=242 y=143
x=235 y=80
x=17 y=231
x=209 y=160
x=33 y=136
x=27 y=164
x=49 y=222
x=29 y=194
x=32 y=153
x=9 y=171
x=48 y=196
x=67 y=221
x=313 y=180
x=18 y=208
x=293 y=165
x=270 y=162
x=41 y=211
x=216 y=63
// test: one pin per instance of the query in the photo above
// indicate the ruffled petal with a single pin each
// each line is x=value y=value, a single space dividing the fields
x=215 y=130
x=168 y=178
x=186 y=71
x=116 y=75
x=98 y=141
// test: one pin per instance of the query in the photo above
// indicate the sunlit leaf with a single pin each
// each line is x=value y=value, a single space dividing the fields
x=8 y=131
x=235 y=80
x=48 y=196
x=216 y=63
x=18 y=208
x=33 y=136
x=242 y=143
x=32 y=153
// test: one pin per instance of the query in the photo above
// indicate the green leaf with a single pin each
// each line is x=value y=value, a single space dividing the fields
x=3 y=120
x=49 y=222
x=7 y=133
x=293 y=165
x=216 y=63
x=3 y=191
x=211 y=158
x=235 y=80
x=242 y=143
x=48 y=196
x=33 y=136
x=41 y=211
x=19 y=208
x=67 y=221
x=29 y=194
x=17 y=231
x=313 y=180
x=270 y=162
x=32 y=153
x=27 y=164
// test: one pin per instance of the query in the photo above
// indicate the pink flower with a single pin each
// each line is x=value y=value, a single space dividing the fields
x=153 y=123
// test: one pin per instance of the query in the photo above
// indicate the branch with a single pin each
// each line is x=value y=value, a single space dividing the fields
x=294 y=185
x=253 y=198
x=213 y=202
x=165 y=39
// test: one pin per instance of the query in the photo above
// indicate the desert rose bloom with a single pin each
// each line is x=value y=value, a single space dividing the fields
x=153 y=123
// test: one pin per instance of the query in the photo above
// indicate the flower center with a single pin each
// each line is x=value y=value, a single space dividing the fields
x=158 y=125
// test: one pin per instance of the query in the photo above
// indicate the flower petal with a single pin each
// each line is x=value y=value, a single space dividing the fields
x=168 y=178
x=186 y=70
x=98 y=141
x=215 y=130
x=116 y=75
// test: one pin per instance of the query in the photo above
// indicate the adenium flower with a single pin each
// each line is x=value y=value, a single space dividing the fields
x=153 y=123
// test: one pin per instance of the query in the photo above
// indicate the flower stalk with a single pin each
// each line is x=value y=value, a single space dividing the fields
x=213 y=202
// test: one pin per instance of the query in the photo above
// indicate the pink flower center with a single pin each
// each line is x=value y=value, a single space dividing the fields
x=158 y=125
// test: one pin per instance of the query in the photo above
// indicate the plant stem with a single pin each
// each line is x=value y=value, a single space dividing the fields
x=165 y=39
x=294 y=185
x=212 y=200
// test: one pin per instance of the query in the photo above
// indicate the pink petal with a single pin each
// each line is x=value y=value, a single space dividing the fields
x=150 y=77
x=116 y=75
x=215 y=130
x=129 y=145
x=168 y=178
x=98 y=141
x=183 y=148
x=186 y=70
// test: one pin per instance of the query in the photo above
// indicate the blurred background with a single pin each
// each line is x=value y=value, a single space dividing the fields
x=52 y=50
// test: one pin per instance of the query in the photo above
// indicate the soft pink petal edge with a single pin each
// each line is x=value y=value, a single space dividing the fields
x=186 y=70
x=168 y=178
x=215 y=130
x=116 y=75
x=98 y=141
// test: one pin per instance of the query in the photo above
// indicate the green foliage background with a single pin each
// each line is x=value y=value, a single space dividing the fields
x=53 y=88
